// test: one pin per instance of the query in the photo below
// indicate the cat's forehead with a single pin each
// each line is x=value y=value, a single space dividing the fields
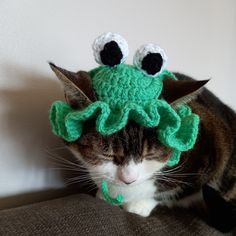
x=131 y=132
x=133 y=143
x=133 y=140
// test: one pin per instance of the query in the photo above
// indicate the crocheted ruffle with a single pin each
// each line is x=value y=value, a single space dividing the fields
x=176 y=129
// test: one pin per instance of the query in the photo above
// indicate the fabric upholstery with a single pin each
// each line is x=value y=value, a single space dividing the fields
x=82 y=214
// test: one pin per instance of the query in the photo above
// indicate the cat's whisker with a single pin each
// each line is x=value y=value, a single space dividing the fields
x=81 y=183
x=167 y=180
x=82 y=177
x=91 y=188
x=61 y=160
x=172 y=180
x=178 y=167
x=176 y=173
x=79 y=178
x=69 y=167
x=56 y=157
x=183 y=174
x=180 y=182
x=56 y=148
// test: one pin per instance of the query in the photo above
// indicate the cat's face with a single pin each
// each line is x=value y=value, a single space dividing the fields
x=130 y=156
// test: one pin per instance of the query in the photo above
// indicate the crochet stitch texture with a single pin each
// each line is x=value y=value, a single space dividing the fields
x=175 y=129
x=128 y=92
x=124 y=84
x=124 y=94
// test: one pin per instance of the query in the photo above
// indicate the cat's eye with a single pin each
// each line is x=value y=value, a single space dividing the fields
x=110 y=49
x=151 y=59
x=105 y=157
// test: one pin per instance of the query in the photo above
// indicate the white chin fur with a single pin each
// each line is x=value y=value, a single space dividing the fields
x=142 y=188
x=139 y=196
x=134 y=192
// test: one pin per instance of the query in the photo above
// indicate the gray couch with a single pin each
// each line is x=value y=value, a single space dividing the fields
x=81 y=214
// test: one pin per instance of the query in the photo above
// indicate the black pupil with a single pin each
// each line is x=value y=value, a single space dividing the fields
x=111 y=54
x=152 y=63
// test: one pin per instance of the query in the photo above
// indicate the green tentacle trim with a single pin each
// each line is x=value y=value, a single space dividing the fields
x=119 y=200
x=176 y=129
x=174 y=159
x=179 y=134
x=68 y=123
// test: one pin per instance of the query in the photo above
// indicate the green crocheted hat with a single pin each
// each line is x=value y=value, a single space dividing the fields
x=114 y=93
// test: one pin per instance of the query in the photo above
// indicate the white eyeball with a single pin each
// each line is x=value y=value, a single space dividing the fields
x=110 y=49
x=151 y=59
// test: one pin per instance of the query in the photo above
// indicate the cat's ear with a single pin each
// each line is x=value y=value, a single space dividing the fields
x=177 y=92
x=77 y=86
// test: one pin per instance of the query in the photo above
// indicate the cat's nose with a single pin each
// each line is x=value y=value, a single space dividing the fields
x=127 y=176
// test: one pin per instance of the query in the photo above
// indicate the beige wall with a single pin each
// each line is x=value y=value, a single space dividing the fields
x=198 y=36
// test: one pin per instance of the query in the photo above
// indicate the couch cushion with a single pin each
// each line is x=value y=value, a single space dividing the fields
x=82 y=214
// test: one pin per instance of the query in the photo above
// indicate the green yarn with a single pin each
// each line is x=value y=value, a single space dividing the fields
x=174 y=159
x=119 y=200
x=125 y=93
x=124 y=84
x=180 y=134
x=177 y=130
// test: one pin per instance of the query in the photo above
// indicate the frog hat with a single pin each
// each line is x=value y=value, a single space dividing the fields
x=114 y=93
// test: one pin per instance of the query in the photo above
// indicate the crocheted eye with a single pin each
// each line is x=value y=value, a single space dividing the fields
x=110 y=49
x=151 y=59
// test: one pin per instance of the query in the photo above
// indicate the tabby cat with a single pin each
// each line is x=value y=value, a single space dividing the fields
x=133 y=161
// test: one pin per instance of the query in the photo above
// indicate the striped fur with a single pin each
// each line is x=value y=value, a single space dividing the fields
x=211 y=162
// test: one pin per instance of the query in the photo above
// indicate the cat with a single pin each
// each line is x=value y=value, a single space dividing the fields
x=134 y=162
